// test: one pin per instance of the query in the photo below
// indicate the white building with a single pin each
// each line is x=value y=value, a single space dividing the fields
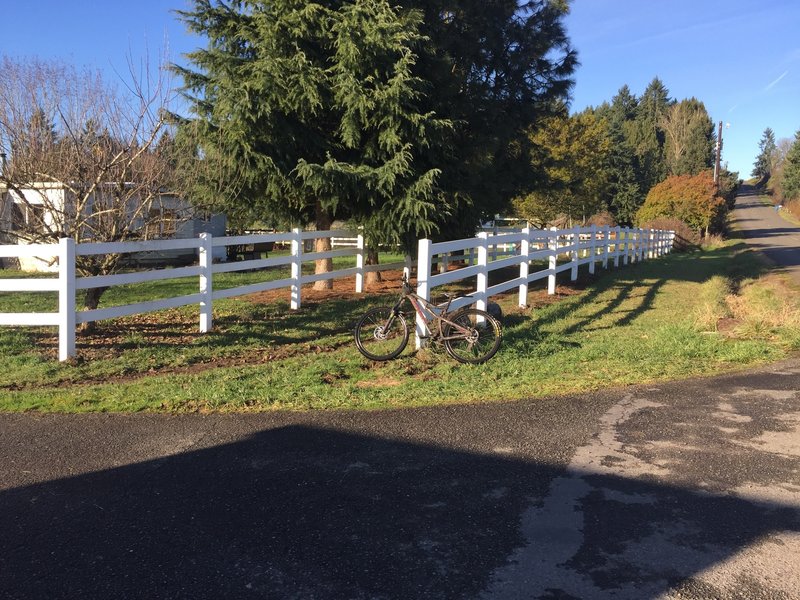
x=167 y=217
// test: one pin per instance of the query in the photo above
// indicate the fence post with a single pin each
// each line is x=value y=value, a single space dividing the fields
x=617 y=244
x=626 y=257
x=494 y=247
x=67 y=319
x=606 y=239
x=359 y=263
x=444 y=262
x=407 y=268
x=483 y=273
x=671 y=244
x=297 y=267
x=575 y=241
x=642 y=245
x=524 y=265
x=205 y=260
x=552 y=244
x=423 y=286
x=592 y=248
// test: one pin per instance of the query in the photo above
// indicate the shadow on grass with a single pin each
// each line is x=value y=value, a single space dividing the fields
x=298 y=511
x=268 y=325
x=612 y=289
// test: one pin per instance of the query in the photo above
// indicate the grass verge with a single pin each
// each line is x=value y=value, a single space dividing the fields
x=683 y=315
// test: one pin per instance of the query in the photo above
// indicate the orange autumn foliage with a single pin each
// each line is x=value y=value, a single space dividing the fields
x=691 y=198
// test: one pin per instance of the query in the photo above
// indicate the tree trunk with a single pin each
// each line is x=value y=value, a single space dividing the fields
x=90 y=302
x=372 y=259
x=323 y=221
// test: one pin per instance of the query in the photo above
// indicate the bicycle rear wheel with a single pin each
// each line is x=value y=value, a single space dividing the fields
x=380 y=334
x=479 y=342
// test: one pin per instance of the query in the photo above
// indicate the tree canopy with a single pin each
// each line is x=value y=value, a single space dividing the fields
x=767 y=150
x=575 y=152
x=403 y=114
x=691 y=198
x=791 y=170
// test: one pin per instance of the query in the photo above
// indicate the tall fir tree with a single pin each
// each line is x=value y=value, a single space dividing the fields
x=647 y=137
x=311 y=110
x=791 y=170
x=767 y=150
x=625 y=194
x=461 y=81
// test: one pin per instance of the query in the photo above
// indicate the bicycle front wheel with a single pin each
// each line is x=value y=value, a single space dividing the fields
x=381 y=334
x=475 y=337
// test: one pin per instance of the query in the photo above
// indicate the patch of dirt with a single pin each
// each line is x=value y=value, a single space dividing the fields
x=343 y=289
x=728 y=325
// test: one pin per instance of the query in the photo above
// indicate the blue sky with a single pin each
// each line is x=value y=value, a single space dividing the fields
x=740 y=57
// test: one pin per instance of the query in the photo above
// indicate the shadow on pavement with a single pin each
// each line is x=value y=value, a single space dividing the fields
x=302 y=512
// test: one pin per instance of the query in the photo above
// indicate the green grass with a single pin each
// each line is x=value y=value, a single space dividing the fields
x=642 y=323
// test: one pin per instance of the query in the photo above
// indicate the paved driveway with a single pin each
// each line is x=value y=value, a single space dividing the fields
x=682 y=490
x=767 y=231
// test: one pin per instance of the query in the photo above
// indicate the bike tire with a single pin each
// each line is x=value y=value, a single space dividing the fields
x=380 y=334
x=484 y=341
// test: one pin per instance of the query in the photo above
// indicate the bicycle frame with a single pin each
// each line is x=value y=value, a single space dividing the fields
x=437 y=313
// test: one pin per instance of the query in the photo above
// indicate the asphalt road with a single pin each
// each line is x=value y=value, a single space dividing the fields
x=685 y=490
x=765 y=229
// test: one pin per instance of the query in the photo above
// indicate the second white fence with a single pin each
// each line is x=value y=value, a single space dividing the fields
x=480 y=256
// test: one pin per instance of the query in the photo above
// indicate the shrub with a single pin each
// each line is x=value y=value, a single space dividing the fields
x=602 y=219
x=793 y=207
x=692 y=199
x=686 y=238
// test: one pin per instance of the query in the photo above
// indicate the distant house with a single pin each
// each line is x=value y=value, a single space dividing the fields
x=168 y=217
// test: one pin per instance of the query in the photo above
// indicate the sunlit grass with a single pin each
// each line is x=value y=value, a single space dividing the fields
x=647 y=322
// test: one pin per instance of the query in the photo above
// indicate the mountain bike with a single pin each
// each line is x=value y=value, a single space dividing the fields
x=469 y=335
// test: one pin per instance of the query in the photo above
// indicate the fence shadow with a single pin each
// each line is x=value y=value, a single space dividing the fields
x=304 y=512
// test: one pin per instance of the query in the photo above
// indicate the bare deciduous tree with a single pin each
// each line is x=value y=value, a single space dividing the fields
x=83 y=158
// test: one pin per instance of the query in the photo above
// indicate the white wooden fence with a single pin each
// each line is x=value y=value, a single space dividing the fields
x=483 y=254
x=588 y=245
x=66 y=284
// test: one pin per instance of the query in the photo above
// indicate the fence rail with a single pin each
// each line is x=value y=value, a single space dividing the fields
x=583 y=246
x=482 y=254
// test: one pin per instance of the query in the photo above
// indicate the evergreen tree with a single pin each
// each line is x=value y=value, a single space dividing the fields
x=791 y=170
x=624 y=191
x=767 y=150
x=409 y=115
x=312 y=111
x=623 y=106
x=647 y=137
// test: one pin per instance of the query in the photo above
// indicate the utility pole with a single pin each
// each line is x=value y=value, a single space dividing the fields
x=719 y=153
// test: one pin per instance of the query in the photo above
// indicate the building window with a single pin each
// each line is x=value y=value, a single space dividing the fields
x=161 y=223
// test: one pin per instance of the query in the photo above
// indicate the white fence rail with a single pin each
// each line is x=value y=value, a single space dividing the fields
x=67 y=283
x=482 y=254
x=486 y=253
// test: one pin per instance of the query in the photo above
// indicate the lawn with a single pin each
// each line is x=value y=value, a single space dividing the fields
x=682 y=315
